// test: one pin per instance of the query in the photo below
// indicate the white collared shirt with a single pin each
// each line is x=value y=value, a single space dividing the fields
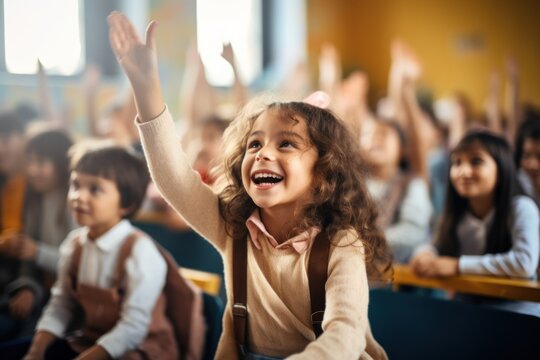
x=145 y=277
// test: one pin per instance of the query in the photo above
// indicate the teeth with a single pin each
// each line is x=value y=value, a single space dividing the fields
x=267 y=175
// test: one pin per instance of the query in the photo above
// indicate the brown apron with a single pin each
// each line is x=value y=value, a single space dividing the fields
x=102 y=309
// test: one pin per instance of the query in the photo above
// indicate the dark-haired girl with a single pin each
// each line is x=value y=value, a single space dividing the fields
x=47 y=219
x=486 y=227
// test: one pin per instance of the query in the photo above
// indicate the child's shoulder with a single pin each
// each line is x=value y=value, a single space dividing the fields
x=144 y=254
x=346 y=237
x=525 y=206
x=143 y=243
x=71 y=239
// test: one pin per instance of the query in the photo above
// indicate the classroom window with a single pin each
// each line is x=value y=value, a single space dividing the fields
x=50 y=31
x=238 y=22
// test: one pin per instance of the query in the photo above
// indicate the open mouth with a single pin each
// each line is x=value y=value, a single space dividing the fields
x=80 y=211
x=266 y=178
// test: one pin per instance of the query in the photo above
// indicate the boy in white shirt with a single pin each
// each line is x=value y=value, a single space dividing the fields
x=114 y=273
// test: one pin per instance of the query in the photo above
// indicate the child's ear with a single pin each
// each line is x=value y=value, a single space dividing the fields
x=125 y=211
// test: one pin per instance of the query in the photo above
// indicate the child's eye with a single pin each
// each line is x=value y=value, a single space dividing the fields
x=254 y=144
x=286 y=144
x=477 y=161
x=94 y=189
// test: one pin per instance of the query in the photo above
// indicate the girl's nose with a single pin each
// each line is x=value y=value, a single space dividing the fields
x=464 y=170
x=264 y=154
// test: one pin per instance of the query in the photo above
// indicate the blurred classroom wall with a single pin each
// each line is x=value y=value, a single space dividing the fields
x=460 y=42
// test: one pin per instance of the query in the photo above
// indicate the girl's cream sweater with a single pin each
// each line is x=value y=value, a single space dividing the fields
x=277 y=284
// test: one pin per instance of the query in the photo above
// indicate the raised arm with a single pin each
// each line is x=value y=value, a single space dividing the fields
x=177 y=181
x=330 y=72
x=492 y=108
x=48 y=110
x=139 y=61
x=91 y=79
x=512 y=99
x=239 y=89
x=197 y=96
x=416 y=127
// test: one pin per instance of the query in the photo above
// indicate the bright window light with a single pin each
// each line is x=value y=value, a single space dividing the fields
x=46 y=30
x=233 y=21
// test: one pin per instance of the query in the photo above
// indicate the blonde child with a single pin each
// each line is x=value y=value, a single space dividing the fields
x=290 y=171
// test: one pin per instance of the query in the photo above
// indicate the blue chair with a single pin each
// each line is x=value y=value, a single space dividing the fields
x=213 y=314
x=409 y=326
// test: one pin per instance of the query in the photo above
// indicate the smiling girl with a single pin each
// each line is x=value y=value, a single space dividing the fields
x=290 y=171
x=486 y=229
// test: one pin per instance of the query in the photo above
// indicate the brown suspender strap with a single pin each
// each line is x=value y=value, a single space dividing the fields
x=74 y=263
x=317 y=276
x=239 y=308
x=123 y=254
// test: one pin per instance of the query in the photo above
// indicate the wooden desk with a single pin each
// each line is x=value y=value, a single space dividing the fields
x=501 y=287
x=151 y=217
x=207 y=281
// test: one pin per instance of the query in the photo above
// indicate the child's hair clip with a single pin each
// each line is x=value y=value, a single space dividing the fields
x=319 y=99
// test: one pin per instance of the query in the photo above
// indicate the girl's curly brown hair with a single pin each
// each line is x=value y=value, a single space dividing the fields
x=340 y=200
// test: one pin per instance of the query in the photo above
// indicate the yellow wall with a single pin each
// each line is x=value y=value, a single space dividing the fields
x=363 y=29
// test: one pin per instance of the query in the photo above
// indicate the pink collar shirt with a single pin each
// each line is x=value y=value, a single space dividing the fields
x=300 y=243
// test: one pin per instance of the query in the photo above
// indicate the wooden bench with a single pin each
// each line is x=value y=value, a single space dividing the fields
x=502 y=287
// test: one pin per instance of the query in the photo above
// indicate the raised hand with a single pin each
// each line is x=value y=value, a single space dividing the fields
x=227 y=53
x=139 y=61
x=329 y=68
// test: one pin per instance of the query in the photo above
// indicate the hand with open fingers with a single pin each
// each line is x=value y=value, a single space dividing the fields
x=137 y=58
x=21 y=304
x=139 y=61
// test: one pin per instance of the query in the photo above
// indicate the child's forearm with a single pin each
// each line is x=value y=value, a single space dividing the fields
x=40 y=343
x=149 y=101
x=96 y=352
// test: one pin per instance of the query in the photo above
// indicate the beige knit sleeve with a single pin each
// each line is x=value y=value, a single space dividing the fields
x=345 y=323
x=178 y=182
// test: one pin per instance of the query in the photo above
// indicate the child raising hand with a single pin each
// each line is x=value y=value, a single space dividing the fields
x=287 y=186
